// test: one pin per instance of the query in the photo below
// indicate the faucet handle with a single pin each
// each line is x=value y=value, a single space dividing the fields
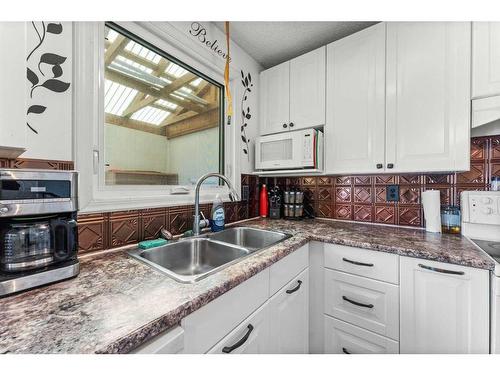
x=204 y=222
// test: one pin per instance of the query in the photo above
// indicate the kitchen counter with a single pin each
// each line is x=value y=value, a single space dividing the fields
x=118 y=303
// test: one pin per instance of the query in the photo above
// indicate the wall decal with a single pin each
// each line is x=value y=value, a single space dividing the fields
x=246 y=81
x=46 y=61
x=200 y=32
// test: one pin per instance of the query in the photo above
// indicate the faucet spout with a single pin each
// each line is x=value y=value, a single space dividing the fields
x=233 y=195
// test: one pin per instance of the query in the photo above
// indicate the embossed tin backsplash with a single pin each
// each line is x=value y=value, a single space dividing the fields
x=363 y=197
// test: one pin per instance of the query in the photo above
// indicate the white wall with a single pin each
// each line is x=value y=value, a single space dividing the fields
x=193 y=155
x=135 y=150
x=54 y=125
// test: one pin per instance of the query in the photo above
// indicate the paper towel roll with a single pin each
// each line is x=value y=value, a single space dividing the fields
x=431 y=200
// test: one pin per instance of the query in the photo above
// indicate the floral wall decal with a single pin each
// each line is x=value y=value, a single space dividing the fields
x=49 y=65
x=246 y=81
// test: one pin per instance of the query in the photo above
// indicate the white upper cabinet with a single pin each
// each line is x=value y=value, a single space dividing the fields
x=485 y=59
x=275 y=98
x=428 y=96
x=13 y=89
x=444 y=308
x=293 y=94
x=355 y=114
x=307 y=90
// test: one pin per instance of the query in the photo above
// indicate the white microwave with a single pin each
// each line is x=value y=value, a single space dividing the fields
x=301 y=149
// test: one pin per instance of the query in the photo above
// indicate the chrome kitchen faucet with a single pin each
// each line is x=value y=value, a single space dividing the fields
x=197 y=223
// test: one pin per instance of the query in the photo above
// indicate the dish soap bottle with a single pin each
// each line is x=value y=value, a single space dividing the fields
x=217 y=218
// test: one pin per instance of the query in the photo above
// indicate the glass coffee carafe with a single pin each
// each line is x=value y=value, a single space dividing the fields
x=26 y=246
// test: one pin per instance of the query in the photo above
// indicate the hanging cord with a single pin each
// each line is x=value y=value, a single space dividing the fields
x=229 y=110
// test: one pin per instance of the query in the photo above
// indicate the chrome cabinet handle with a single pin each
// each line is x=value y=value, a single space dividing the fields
x=369 y=306
x=345 y=351
x=293 y=290
x=229 y=349
x=357 y=263
x=441 y=270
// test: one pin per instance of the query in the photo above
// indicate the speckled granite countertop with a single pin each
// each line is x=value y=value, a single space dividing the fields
x=118 y=303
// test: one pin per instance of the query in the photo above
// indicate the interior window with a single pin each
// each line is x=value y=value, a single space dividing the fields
x=163 y=119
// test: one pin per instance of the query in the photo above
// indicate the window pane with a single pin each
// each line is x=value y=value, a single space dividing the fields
x=162 y=120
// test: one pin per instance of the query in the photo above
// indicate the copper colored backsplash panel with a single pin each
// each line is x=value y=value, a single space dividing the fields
x=363 y=197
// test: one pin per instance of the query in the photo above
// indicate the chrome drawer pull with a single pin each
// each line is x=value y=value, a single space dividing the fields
x=345 y=351
x=229 y=349
x=293 y=290
x=357 y=263
x=440 y=270
x=369 y=306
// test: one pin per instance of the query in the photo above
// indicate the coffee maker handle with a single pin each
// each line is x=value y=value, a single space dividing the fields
x=64 y=238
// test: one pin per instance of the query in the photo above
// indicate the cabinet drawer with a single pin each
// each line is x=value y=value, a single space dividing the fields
x=369 y=304
x=344 y=338
x=250 y=337
x=282 y=272
x=368 y=263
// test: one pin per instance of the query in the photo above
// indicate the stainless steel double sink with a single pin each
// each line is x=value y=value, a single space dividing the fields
x=191 y=259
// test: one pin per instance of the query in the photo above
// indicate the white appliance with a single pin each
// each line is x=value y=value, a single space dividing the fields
x=301 y=149
x=481 y=224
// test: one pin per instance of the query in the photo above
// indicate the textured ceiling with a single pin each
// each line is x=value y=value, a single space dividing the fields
x=271 y=43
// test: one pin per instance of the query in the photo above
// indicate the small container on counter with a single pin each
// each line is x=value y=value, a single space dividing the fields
x=495 y=183
x=450 y=219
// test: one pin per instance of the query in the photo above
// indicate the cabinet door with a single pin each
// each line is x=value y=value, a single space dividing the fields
x=428 y=96
x=355 y=124
x=307 y=90
x=275 y=99
x=289 y=317
x=13 y=89
x=250 y=337
x=485 y=59
x=444 y=308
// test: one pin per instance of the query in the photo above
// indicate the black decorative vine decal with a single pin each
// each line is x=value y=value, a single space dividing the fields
x=52 y=60
x=246 y=81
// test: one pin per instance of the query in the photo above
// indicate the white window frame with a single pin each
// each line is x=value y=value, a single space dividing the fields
x=88 y=121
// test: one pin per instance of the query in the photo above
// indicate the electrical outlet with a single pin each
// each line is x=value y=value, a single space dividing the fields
x=245 y=192
x=392 y=193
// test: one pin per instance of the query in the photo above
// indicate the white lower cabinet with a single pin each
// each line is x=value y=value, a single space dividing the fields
x=250 y=337
x=444 y=308
x=342 y=302
x=345 y=338
x=369 y=304
x=289 y=314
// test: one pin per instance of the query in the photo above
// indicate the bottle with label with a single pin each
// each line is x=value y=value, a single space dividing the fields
x=217 y=218
x=263 y=202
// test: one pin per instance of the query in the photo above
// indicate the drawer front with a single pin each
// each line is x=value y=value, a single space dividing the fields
x=344 y=338
x=367 y=303
x=283 y=271
x=250 y=337
x=367 y=263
